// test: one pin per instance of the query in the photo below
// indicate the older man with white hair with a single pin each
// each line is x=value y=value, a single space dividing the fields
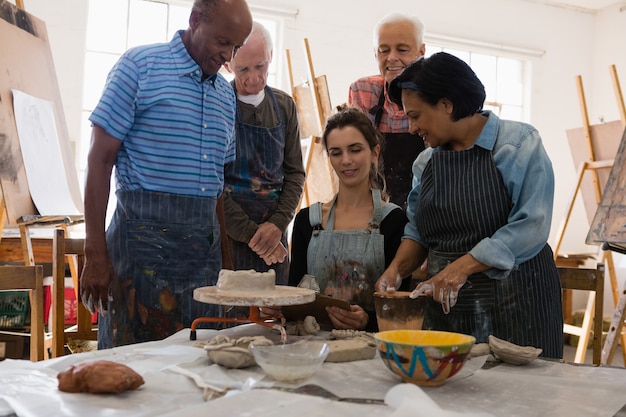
x=265 y=182
x=398 y=41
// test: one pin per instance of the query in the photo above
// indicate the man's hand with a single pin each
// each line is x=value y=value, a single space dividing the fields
x=95 y=282
x=265 y=240
x=278 y=255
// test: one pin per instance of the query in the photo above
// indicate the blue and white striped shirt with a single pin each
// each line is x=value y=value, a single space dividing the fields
x=177 y=132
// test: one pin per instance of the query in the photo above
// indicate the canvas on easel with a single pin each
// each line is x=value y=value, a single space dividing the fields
x=26 y=64
x=27 y=67
x=593 y=149
x=312 y=100
x=609 y=229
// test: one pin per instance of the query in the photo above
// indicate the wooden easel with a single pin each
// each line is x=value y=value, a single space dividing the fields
x=313 y=102
x=594 y=167
x=27 y=64
x=608 y=226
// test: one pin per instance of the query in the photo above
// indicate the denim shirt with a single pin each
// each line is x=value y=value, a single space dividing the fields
x=527 y=173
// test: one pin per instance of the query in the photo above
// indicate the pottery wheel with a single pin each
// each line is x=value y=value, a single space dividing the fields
x=281 y=296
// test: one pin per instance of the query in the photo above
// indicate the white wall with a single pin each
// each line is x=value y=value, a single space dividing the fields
x=66 y=23
x=340 y=38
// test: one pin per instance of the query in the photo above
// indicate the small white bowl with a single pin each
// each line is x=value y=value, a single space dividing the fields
x=293 y=362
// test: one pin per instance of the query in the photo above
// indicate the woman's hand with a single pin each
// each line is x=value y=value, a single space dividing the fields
x=356 y=318
x=444 y=287
x=390 y=280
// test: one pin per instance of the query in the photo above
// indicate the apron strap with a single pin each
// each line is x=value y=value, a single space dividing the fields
x=377 y=110
x=315 y=215
x=380 y=212
x=377 y=216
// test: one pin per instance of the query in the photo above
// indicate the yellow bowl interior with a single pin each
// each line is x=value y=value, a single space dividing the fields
x=425 y=337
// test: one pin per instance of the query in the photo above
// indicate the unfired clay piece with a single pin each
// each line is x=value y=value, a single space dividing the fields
x=246 y=281
x=99 y=377
x=346 y=333
x=234 y=353
x=351 y=349
x=511 y=353
x=480 y=349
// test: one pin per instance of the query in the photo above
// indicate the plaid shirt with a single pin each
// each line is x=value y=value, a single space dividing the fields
x=364 y=94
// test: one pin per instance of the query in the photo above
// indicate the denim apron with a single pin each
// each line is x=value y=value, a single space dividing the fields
x=399 y=151
x=162 y=247
x=463 y=200
x=255 y=181
x=347 y=263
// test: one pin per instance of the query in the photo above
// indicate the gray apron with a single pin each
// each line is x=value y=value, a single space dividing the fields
x=399 y=151
x=162 y=247
x=255 y=179
x=347 y=263
x=463 y=200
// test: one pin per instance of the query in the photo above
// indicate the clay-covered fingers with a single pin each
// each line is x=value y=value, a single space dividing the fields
x=388 y=282
x=422 y=288
x=95 y=282
x=448 y=298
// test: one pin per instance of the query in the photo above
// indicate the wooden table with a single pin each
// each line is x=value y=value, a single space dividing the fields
x=542 y=388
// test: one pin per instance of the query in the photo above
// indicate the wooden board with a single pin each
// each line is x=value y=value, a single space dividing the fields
x=26 y=64
x=316 y=308
x=609 y=222
x=605 y=139
x=321 y=85
x=309 y=123
x=281 y=296
x=321 y=181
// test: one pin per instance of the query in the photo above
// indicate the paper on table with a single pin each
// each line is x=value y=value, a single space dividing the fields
x=41 y=153
x=409 y=400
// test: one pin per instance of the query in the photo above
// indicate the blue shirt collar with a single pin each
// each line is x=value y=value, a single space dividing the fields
x=185 y=64
x=489 y=134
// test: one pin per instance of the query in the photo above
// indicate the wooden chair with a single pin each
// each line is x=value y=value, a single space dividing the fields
x=83 y=330
x=586 y=279
x=28 y=278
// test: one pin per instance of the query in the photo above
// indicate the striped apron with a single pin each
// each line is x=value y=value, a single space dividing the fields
x=463 y=200
x=162 y=247
x=255 y=179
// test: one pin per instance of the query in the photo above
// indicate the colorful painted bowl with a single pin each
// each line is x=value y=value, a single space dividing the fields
x=424 y=357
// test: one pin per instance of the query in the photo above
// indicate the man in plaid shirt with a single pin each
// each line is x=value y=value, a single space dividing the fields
x=398 y=41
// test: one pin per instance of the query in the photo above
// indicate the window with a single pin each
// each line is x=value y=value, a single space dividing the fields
x=113 y=26
x=505 y=80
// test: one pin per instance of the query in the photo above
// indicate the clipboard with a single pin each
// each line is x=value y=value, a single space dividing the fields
x=315 y=308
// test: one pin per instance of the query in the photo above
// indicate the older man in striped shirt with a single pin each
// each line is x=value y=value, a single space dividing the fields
x=166 y=122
